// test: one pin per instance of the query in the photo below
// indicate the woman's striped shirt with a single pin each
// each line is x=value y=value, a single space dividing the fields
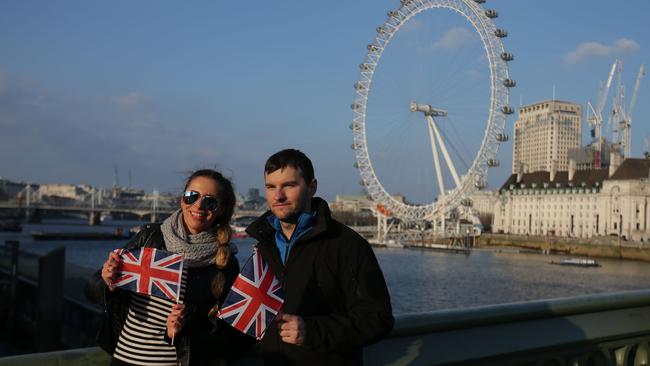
x=142 y=340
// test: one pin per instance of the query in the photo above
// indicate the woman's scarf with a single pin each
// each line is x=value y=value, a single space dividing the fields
x=198 y=250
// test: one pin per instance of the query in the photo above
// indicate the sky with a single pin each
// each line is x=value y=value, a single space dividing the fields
x=160 y=88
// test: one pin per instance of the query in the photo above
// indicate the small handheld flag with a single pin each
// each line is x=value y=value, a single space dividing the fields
x=254 y=299
x=150 y=271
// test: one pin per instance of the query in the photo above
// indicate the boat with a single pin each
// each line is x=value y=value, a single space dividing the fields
x=53 y=235
x=390 y=243
x=580 y=262
x=240 y=224
x=240 y=234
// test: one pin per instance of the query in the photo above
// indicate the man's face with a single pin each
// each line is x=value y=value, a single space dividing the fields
x=287 y=193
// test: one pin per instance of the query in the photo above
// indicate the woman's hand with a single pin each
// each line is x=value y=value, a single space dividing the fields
x=175 y=320
x=109 y=269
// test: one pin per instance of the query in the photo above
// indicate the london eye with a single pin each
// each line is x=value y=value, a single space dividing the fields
x=455 y=182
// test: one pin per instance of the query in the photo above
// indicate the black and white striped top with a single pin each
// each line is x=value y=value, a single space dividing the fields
x=142 y=340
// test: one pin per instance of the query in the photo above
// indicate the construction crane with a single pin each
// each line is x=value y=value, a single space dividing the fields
x=595 y=117
x=626 y=123
x=622 y=116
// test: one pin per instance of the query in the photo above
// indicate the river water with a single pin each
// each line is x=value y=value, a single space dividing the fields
x=419 y=280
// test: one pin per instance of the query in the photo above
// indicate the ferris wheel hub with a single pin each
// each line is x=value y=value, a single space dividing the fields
x=428 y=110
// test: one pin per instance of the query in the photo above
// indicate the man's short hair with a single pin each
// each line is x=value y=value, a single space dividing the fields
x=293 y=158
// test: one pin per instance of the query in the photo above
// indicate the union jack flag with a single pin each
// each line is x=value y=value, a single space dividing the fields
x=254 y=299
x=150 y=271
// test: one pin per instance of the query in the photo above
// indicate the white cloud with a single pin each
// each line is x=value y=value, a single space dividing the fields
x=454 y=38
x=625 y=45
x=588 y=50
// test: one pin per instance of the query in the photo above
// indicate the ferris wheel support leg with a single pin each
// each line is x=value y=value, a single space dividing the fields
x=380 y=230
x=436 y=159
x=445 y=153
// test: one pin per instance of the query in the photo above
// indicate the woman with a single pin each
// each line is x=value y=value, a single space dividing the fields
x=139 y=329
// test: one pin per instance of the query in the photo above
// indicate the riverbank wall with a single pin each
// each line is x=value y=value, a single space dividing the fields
x=597 y=247
x=44 y=306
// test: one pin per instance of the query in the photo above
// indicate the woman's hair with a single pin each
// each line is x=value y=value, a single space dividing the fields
x=226 y=210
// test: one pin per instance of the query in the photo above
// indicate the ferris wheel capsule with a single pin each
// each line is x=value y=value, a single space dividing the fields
x=491 y=13
x=502 y=137
x=509 y=83
x=507 y=56
x=467 y=202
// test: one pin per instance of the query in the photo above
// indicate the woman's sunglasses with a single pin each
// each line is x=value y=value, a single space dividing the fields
x=208 y=202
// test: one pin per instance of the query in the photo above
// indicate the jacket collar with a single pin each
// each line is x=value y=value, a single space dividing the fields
x=263 y=232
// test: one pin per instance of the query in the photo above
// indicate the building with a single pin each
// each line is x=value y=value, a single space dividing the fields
x=352 y=203
x=9 y=190
x=483 y=202
x=252 y=200
x=589 y=157
x=358 y=203
x=64 y=191
x=578 y=203
x=543 y=135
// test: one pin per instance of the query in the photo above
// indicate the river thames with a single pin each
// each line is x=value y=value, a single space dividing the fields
x=419 y=280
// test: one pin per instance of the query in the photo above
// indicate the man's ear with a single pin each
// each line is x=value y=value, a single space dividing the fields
x=313 y=186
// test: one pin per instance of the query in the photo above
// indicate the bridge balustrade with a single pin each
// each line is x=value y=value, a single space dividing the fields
x=606 y=329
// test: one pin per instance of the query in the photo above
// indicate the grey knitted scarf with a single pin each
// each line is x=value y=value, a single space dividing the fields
x=199 y=250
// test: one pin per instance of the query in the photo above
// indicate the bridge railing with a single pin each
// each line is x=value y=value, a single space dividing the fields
x=606 y=329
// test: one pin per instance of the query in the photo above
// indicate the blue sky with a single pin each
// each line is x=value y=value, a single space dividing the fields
x=160 y=88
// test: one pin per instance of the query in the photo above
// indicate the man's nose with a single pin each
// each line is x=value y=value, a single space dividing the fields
x=279 y=195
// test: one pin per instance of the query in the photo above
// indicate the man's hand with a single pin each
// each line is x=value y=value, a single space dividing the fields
x=175 y=320
x=291 y=329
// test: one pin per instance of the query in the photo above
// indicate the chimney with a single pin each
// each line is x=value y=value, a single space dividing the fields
x=614 y=161
x=553 y=171
x=572 y=169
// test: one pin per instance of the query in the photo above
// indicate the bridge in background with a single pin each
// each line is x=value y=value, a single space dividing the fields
x=95 y=205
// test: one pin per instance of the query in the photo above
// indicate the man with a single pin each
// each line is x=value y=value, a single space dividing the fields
x=336 y=300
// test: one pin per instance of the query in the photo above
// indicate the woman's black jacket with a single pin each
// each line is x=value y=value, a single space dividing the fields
x=200 y=340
